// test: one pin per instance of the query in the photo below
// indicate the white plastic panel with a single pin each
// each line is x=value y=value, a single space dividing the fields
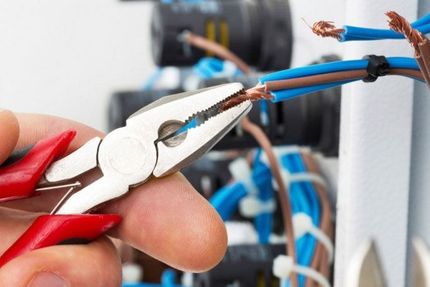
x=419 y=211
x=376 y=131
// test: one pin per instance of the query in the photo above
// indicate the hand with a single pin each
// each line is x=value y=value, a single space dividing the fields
x=165 y=218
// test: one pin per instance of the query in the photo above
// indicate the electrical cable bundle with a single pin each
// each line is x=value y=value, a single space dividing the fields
x=307 y=195
x=294 y=82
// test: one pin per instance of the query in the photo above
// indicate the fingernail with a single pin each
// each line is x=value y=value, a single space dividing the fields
x=47 y=279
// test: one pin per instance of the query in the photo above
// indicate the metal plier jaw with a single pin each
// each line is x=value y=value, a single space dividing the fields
x=128 y=156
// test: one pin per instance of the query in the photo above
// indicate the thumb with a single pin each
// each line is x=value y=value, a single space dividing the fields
x=94 y=265
x=9 y=133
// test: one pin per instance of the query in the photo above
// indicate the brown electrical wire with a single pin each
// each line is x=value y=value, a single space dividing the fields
x=320 y=260
x=327 y=29
x=419 y=42
x=215 y=48
x=399 y=24
x=254 y=94
x=262 y=92
x=284 y=198
x=321 y=79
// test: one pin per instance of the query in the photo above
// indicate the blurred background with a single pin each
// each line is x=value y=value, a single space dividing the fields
x=67 y=58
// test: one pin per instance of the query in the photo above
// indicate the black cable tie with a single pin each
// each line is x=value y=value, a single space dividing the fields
x=377 y=66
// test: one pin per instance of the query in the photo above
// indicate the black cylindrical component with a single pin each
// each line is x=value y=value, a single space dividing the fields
x=258 y=31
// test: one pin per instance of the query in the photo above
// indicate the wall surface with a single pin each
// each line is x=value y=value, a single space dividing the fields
x=375 y=150
x=67 y=57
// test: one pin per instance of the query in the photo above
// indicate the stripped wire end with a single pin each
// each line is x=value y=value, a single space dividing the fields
x=253 y=94
x=327 y=29
x=420 y=42
x=399 y=24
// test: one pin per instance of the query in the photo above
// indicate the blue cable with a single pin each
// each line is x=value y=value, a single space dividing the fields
x=338 y=66
x=264 y=112
x=304 y=195
x=152 y=80
x=422 y=21
x=208 y=67
x=354 y=33
x=168 y=278
x=283 y=95
x=226 y=200
x=262 y=178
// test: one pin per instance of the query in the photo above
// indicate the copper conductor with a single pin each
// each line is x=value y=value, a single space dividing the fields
x=327 y=29
x=401 y=25
x=253 y=94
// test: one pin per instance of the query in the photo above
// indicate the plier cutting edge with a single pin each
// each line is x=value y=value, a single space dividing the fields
x=158 y=140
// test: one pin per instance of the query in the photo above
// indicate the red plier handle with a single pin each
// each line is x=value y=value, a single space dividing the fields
x=20 y=174
x=19 y=177
x=49 y=230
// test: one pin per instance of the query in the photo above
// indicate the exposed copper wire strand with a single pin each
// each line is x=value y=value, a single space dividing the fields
x=284 y=198
x=327 y=29
x=399 y=24
x=253 y=94
x=420 y=42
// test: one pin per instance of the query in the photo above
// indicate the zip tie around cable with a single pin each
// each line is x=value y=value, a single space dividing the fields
x=241 y=172
x=290 y=178
x=378 y=66
x=303 y=225
x=286 y=150
x=283 y=266
x=251 y=206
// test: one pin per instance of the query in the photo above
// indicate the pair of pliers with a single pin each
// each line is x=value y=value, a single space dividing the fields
x=158 y=140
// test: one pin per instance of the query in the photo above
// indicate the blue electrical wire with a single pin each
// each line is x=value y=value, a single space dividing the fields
x=283 y=95
x=152 y=80
x=353 y=33
x=338 y=66
x=168 y=278
x=208 y=67
x=305 y=194
x=226 y=200
x=303 y=199
x=262 y=178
